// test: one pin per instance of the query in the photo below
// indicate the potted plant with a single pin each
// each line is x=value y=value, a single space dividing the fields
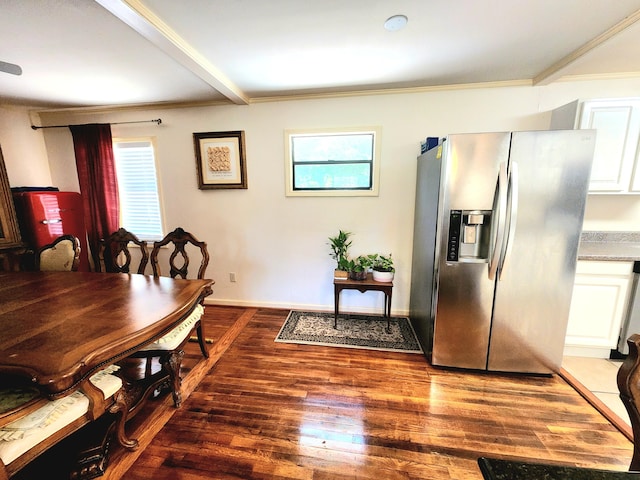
x=382 y=266
x=358 y=267
x=339 y=252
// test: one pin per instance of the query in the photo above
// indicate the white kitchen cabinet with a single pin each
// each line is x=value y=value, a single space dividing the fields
x=598 y=305
x=616 y=161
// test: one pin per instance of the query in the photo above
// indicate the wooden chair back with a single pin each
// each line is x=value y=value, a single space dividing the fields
x=62 y=255
x=179 y=239
x=116 y=253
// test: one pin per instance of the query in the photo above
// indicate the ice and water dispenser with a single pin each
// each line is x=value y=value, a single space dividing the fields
x=469 y=235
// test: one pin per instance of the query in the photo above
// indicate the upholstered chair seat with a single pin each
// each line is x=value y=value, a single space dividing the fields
x=176 y=337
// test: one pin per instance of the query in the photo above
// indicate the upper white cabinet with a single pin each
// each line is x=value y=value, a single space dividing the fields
x=616 y=161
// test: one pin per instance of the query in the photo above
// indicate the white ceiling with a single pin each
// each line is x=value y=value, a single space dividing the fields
x=77 y=53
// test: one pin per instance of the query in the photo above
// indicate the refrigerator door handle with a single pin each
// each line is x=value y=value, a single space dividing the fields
x=499 y=222
x=512 y=206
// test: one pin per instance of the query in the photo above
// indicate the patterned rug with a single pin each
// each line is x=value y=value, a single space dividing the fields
x=354 y=331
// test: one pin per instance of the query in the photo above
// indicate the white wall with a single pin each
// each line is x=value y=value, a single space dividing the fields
x=277 y=245
x=23 y=148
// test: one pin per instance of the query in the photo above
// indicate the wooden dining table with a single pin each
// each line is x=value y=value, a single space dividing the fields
x=58 y=328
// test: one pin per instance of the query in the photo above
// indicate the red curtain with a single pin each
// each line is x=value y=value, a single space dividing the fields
x=98 y=182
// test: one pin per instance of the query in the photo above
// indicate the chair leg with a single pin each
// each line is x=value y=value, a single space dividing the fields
x=147 y=367
x=171 y=363
x=202 y=340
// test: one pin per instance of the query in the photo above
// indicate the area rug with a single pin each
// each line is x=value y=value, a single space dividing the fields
x=354 y=331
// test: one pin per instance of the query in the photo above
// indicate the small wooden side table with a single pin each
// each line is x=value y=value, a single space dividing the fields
x=363 y=286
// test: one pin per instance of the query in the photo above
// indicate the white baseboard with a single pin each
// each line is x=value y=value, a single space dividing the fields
x=303 y=307
x=592 y=352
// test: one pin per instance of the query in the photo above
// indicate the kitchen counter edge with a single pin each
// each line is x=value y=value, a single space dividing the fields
x=609 y=246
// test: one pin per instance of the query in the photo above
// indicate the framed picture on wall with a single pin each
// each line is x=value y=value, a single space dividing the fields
x=220 y=160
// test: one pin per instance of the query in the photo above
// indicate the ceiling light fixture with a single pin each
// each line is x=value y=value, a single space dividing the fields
x=397 y=22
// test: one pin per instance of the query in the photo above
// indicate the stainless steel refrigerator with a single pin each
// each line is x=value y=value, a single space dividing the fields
x=498 y=218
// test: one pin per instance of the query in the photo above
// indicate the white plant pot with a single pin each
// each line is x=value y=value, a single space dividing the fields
x=382 y=276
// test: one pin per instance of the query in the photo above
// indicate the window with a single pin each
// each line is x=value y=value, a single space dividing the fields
x=140 y=211
x=332 y=162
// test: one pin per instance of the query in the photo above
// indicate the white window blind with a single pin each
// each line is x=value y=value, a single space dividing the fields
x=140 y=211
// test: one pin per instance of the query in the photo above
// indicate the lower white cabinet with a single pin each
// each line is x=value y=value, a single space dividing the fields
x=598 y=306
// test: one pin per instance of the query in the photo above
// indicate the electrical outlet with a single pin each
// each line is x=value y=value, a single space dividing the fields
x=232 y=276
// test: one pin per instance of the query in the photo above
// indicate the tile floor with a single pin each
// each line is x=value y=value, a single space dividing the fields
x=599 y=376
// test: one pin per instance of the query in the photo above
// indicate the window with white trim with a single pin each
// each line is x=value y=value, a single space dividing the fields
x=332 y=162
x=140 y=209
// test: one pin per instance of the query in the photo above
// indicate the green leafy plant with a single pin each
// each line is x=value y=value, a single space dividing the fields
x=382 y=263
x=340 y=249
x=361 y=263
x=358 y=267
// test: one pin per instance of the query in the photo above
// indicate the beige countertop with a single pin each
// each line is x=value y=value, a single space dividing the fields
x=611 y=246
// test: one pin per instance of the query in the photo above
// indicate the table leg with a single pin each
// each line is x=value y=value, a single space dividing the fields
x=387 y=299
x=336 y=297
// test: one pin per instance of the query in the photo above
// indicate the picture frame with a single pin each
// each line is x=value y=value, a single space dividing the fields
x=220 y=160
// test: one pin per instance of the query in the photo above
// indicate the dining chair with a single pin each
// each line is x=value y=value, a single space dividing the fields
x=117 y=256
x=169 y=348
x=62 y=255
x=178 y=241
x=628 y=380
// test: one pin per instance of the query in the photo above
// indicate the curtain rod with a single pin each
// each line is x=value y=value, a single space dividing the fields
x=157 y=121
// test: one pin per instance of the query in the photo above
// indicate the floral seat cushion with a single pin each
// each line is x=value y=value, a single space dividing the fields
x=175 y=337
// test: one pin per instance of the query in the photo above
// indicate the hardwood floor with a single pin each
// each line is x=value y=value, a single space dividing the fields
x=257 y=409
x=270 y=410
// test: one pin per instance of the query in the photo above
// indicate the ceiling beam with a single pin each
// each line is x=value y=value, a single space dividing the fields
x=151 y=27
x=559 y=68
